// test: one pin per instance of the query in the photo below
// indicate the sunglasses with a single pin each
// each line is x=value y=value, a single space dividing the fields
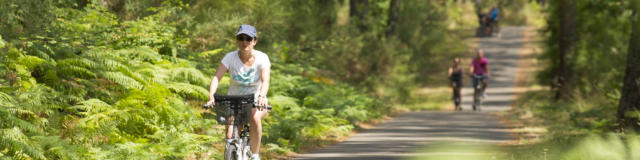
x=244 y=38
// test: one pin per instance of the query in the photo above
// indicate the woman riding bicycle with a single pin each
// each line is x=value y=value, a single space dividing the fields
x=455 y=75
x=249 y=70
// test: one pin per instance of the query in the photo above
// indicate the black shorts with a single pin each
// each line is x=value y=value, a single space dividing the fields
x=457 y=82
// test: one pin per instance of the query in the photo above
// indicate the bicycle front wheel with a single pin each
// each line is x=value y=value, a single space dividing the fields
x=230 y=153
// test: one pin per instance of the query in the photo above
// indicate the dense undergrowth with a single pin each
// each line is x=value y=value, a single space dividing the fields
x=587 y=130
x=585 y=125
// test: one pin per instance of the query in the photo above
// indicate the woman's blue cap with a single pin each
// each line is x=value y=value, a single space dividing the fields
x=248 y=30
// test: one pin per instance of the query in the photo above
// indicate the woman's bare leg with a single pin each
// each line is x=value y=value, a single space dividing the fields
x=255 y=131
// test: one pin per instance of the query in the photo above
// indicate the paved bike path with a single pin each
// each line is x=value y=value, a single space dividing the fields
x=405 y=134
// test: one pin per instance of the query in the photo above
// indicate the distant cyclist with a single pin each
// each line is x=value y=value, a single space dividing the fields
x=494 y=14
x=493 y=19
x=455 y=75
x=249 y=70
x=480 y=68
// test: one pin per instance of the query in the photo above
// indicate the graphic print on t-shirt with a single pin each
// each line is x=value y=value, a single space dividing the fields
x=245 y=79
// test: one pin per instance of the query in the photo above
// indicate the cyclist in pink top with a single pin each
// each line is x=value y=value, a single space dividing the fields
x=480 y=69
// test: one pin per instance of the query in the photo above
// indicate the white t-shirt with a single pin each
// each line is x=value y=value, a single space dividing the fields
x=245 y=80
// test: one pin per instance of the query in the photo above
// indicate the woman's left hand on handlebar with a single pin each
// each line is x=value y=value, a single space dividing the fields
x=262 y=103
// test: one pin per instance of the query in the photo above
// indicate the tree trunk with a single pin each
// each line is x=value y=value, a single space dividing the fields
x=328 y=17
x=630 y=100
x=477 y=4
x=392 y=22
x=567 y=34
x=358 y=11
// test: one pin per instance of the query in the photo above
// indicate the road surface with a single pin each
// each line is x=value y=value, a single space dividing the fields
x=412 y=134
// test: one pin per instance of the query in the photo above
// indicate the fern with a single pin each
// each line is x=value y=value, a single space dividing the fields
x=154 y=73
x=122 y=79
x=30 y=61
x=191 y=75
x=2 y=42
x=142 y=53
x=17 y=144
x=283 y=103
x=10 y=115
x=75 y=71
x=37 y=99
x=75 y=68
x=90 y=106
x=99 y=123
x=136 y=76
x=9 y=119
x=131 y=150
x=80 y=62
x=99 y=53
x=55 y=147
x=6 y=100
x=189 y=90
x=110 y=65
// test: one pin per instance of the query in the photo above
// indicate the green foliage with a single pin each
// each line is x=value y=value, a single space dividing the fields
x=586 y=131
x=603 y=30
x=14 y=143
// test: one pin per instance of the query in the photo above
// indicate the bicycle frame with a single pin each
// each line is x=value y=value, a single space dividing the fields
x=478 y=91
x=235 y=108
x=240 y=142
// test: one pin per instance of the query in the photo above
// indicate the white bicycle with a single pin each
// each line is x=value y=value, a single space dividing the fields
x=236 y=111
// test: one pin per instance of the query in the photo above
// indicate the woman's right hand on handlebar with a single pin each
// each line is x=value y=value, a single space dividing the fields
x=210 y=103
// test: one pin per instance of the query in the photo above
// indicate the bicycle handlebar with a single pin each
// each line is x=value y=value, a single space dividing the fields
x=237 y=99
x=210 y=105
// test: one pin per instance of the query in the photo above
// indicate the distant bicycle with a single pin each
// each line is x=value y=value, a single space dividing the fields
x=236 y=111
x=478 y=92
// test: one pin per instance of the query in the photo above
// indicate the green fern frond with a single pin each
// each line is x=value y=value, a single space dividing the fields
x=155 y=73
x=100 y=53
x=2 y=42
x=30 y=61
x=75 y=71
x=6 y=100
x=100 y=123
x=90 y=106
x=80 y=62
x=190 y=75
x=122 y=79
x=38 y=99
x=56 y=147
x=106 y=60
x=76 y=67
x=110 y=65
x=188 y=90
x=136 y=76
x=10 y=119
x=17 y=144
x=142 y=53
x=284 y=102
x=209 y=53
x=42 y=51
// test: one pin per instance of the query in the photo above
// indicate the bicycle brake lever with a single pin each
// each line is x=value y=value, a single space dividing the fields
x=208 y=105
x=268 y=107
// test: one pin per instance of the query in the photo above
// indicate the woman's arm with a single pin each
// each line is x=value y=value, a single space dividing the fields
x=264 y=87
x=487 y=69
x=471 y=70
x=215 y=80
